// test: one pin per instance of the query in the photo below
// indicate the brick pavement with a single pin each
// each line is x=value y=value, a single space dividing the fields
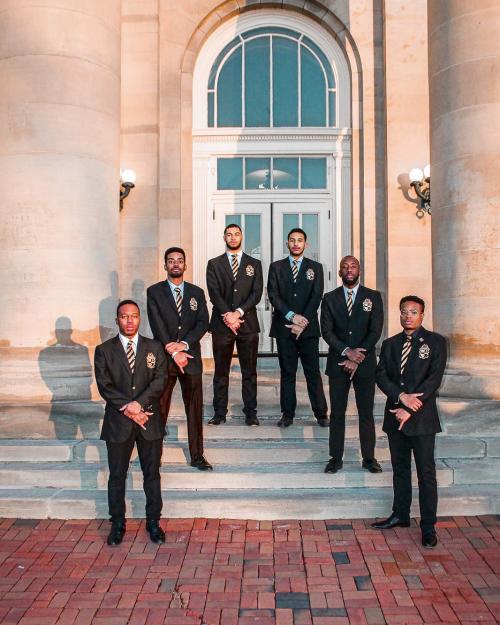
x=223 y=572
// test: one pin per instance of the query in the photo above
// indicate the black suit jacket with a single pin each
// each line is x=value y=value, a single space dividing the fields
x=167 y=326
x=362 y=329
x=228 y=294
x=302 y=297
x=118 y=386
x=423 y=374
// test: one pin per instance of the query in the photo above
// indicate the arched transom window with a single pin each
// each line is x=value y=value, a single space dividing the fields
x=271 y=77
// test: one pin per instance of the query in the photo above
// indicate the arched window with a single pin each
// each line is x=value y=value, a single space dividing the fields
x=271 y=77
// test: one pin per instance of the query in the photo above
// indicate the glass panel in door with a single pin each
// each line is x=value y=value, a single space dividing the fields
x=255 y=221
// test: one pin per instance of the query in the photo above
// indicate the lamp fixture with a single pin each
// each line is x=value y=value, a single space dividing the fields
x=127 y=182
x=421 y=183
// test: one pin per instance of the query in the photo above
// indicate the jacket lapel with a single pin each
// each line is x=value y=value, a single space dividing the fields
x=358 y=302
x=122 y=356
x=140 y=357
x=170 y=297
x=186 y=308
x=224 y=261
x=341 y=302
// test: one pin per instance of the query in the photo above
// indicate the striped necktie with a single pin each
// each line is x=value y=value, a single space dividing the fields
x=234 y=264
x=131 y=355
x=295 y=270
x=349 y=302
x=178 y=300
x=405 y=353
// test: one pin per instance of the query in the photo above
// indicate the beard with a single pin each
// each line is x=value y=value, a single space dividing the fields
x=233 y=246
x=350 y=281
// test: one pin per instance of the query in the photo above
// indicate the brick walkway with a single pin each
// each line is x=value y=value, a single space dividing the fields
x=216 y=572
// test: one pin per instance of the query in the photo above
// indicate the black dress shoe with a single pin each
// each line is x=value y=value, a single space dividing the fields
x=217 y=420
x=252 y=421
x=201 y=463
x=116 y=534
x=156 y=534
x=390 y=522
x=285 y=422
x=372 y=465
x=333 y=466
x=323 y=422
x=429 y=539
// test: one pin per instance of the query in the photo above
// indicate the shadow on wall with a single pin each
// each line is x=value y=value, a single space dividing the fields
x=66 y=370
x=139 y=295
x=107 y=309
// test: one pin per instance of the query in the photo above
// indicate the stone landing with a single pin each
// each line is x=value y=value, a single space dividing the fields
x=52 y=464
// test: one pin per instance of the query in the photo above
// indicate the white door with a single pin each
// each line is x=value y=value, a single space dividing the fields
x=265 y=227
x=314 y=218
x=255 y=222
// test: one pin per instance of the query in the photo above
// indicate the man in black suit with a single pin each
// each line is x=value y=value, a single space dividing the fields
x=409 y=372
x=178 y=316
x=234 y=282
x=130 y=374
x=352 y=318
x=295 y=288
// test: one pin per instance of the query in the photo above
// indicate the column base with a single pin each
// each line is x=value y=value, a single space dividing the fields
x=471 y=381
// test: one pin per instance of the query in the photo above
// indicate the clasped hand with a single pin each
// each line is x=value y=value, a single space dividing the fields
x=233 y=321
x=411 y=400
x=401 y=415
x=181 y=359
x=133 y=410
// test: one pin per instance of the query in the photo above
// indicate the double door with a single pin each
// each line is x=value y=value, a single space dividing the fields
x=265 y=226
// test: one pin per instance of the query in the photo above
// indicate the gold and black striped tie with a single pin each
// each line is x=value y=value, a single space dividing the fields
x=349 y=303
x=131 y=355
x=178 y=300
x=234 y=264
x=405 y=353
x=295 y=270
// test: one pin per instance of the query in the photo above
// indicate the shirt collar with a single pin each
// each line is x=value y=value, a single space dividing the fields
x=176 y=286
x=354 y=290
x=238 y=254
x=297 y=260
x=125 y=339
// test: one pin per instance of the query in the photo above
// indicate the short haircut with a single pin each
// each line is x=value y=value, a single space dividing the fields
x=232 y=226
x=171 y=250
x=299 y=230
x=412 y=298
x=124 y=302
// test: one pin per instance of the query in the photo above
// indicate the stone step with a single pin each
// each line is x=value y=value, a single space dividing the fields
x=486 y=471
x=238 y=451
x=347 y=503
x=182 y=477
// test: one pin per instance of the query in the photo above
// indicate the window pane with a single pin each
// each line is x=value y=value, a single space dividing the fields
x=218 y=61
x=321 y=55
x=257 y=173
x=285 y=82
x=290 y=220
x=211 y=109
x=285 y=173
x=313 y=173
x=230 y=173
x=332 y=104
x=229 y=91
x=233 y=219
x=310 y=226
x=312 y=90
x=257 y=105
x=252 y=238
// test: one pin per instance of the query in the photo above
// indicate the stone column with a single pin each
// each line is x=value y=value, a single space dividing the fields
x=464 y=66
x=59 y=175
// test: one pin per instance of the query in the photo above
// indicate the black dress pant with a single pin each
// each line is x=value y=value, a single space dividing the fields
x=247 y=347
x=364 y=390
x=192 y=395
x=289 y=352
x=118 y=463
x=401 y=447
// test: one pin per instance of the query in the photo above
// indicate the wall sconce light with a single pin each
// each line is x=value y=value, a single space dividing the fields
x=127 y=182
x=421 y=182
